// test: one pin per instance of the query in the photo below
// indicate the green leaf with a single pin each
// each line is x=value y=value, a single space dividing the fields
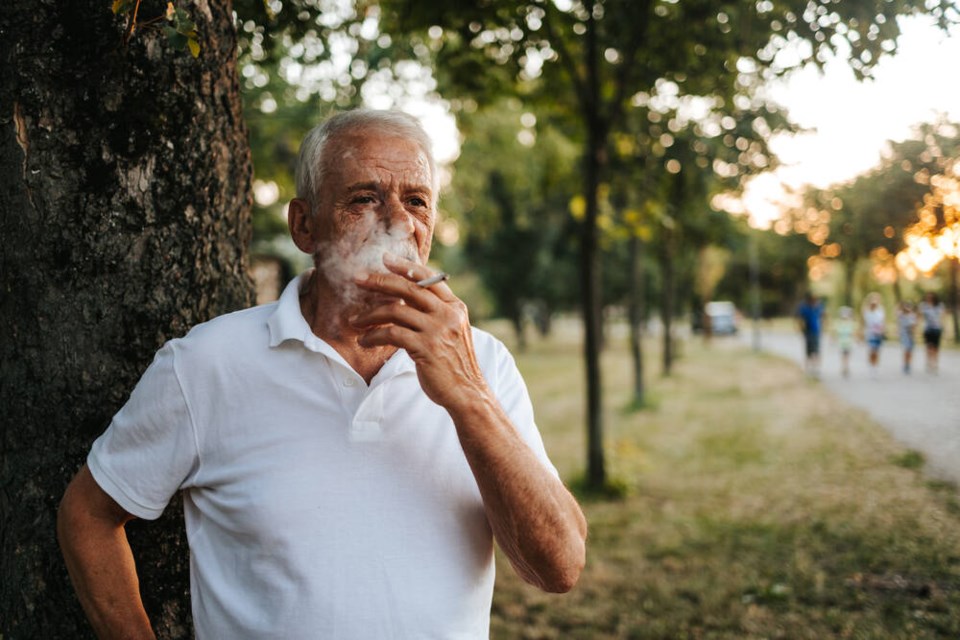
x=120 y=6
x=177 y=40
x=181 y=17
x=194 y=47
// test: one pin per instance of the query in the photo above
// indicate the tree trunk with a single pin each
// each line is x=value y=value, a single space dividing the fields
x=516 y=320
x=125 y=217
x=667 y=298
x=635 y=313
x=849 y=272
x=669 y=253
x=756 y=307
x=590 y=291
x=590 y=295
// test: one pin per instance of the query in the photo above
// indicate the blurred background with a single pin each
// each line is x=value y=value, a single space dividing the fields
x=637 y=196
x=808 y=150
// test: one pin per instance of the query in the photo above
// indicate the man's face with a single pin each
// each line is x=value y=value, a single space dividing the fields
x=377 y=196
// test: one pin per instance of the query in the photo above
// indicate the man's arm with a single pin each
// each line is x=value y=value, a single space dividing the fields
x=90 y=528
x=535 y=520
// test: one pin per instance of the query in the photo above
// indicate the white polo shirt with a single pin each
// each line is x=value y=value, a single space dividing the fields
x=316 y=506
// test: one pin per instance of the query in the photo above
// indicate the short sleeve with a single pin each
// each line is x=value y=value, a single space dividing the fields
x=150 y=448
x=511 y=391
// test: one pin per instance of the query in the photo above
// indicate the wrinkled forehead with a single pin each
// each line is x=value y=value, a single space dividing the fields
x=379 y=155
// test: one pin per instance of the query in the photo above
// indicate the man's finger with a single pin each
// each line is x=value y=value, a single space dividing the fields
x=421 y=275
x=389 y=335
x=396 y=313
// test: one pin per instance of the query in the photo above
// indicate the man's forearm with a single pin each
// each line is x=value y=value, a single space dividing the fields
x=535 y=520
x=100 y=562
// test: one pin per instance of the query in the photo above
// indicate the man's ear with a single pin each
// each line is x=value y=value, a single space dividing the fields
x=301 y=225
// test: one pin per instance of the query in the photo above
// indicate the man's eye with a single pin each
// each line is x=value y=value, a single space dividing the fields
x=418 y=202
x=363 y=199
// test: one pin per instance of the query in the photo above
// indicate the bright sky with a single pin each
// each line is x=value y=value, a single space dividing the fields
x=853 y=120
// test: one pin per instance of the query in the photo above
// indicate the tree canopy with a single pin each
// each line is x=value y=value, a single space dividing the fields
x=595 y=58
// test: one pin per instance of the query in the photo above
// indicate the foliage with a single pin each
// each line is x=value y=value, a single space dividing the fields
x=781 y=261
x=299 y=61
x=593 y=57
x=934 y=236
x=869 y=216
x=180 y=29
x=295 y=62
x=510 y=192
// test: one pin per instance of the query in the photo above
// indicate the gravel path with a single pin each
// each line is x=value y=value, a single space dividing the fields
x=921 y=410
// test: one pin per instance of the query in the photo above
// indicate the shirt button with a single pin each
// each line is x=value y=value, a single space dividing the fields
x=349 y=382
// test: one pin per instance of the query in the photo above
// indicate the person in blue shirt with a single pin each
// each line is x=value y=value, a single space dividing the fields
x=810 y=318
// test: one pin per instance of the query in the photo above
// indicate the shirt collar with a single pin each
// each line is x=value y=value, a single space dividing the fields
x=287 y=323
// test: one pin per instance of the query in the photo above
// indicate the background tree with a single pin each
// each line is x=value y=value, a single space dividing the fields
x=783 y=259
x=510 y=201
x=125 y=217
x=869 y=215
x=698 y=160
x=933 y=239
x=599 y=54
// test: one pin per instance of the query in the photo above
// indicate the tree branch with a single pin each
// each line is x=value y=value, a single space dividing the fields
x=566 y=58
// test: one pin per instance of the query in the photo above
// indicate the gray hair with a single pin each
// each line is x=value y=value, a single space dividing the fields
x=312 y=163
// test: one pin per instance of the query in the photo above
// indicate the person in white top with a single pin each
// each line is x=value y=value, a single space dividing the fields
x=874 y=329
x=932 y=311
x=906 y=323
x=347 y=455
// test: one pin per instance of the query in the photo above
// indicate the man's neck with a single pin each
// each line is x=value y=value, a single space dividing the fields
x=326 y=313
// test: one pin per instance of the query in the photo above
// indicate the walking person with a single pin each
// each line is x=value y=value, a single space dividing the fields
x=874 y=329
x=932 y=311
x=810 y=319
x=906 y=323
x=845 y=329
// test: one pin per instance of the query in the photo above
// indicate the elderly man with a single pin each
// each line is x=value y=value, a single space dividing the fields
x=348 y=454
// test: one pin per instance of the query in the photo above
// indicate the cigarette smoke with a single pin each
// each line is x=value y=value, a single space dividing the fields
x=359 y=251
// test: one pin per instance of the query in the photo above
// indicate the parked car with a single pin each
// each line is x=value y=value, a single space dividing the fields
x=722 y=316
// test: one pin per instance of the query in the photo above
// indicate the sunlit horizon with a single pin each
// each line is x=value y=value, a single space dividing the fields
x=850 y=121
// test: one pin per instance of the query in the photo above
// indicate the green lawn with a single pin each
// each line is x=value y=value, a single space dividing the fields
x=758 y=507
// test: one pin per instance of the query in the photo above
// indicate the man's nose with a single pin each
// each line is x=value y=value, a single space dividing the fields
x=396 y=216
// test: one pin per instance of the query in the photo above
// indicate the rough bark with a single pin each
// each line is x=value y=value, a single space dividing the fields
x=125 y=217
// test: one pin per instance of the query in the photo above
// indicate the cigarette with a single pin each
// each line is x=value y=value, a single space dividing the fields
x=432 y=280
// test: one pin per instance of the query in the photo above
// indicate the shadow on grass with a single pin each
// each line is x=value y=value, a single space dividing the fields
x=612 y=490
x=909 y=459
x=649 y=402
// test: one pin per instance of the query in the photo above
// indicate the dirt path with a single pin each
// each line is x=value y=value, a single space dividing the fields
x=921 y=410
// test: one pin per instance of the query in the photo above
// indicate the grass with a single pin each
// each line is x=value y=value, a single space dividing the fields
x=754 y=506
